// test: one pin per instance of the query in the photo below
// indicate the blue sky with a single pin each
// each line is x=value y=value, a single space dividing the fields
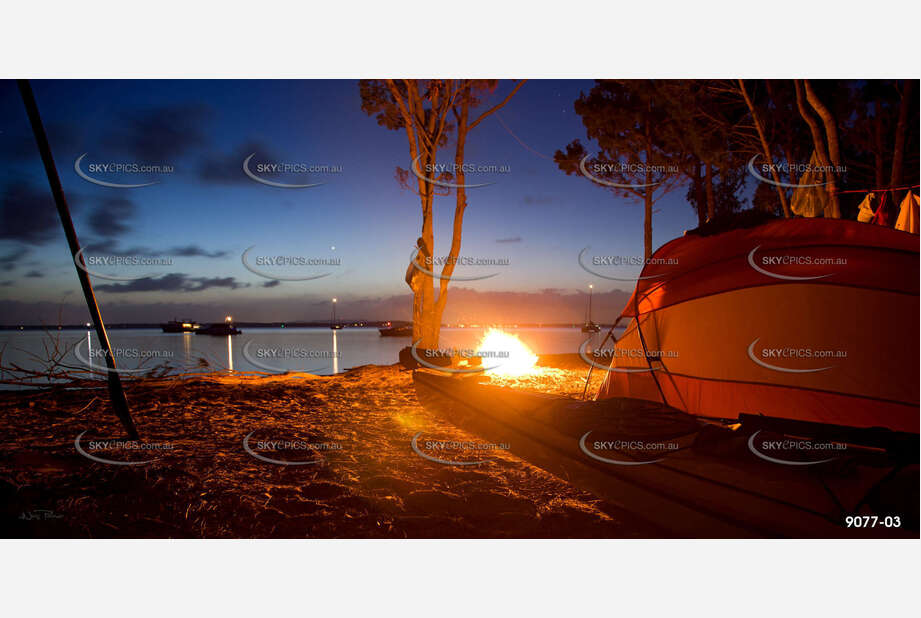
x=208 y=206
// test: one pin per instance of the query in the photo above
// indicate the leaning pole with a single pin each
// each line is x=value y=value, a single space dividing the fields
x=116 y=392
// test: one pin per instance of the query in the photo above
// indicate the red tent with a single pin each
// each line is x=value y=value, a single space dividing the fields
x=806 y=319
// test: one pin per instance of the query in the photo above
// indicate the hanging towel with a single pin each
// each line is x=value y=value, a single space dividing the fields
x=883 y=215
x=810 y=198
x=865 y=211
x=908 y=214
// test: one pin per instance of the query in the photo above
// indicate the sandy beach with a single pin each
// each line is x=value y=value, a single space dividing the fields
x=204 y=483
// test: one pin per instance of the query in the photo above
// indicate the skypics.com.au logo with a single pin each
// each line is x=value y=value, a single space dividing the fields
x=438 y=174
x=456 y=452
x=120 y=452
x=289 y=452
x=96 y=171
x=604 y=266
x=426 y=264
x=260 y=171
x=794 y=451
x=761 y=172
x=272 y=358
x=621 y=452
x=604 y=358
x=89 y=264
x=791 y=261
x=285 y=267
x=596 y=171
x=794 y=359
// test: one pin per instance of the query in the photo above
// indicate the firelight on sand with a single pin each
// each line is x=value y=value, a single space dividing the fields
x=510 y=355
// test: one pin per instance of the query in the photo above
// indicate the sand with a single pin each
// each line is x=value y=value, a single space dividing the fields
x=369 y=482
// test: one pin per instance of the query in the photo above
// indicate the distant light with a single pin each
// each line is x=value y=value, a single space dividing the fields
x=228 y=319
x=590 y=286
x=334 y=300
x=333 y=248
x=88 y=324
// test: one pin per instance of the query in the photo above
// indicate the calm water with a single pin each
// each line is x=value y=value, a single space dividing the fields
x=314 y=350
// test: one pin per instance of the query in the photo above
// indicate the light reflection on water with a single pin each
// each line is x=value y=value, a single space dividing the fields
x=312 y=348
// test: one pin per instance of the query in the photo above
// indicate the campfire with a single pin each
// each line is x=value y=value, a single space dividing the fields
x=506 y=354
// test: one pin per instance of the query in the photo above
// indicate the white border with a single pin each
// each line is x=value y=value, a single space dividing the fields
x=269 y=39
x=458 y=578
x=482 y=38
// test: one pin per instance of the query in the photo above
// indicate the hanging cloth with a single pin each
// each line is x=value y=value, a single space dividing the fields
x=882 y=216
x=908 y=214
x=866 y=211
x=810 y=201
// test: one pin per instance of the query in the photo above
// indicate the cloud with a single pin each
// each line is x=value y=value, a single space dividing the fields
x=159 y=135
x=173 y=282
x=35 y=274
x=228 y=167
x=18 y=144
x=113 y=247
x=512 y=239
x=464 y=305
x=10 y=260
x=110 y=217
x=538 y=200
x=27 y=214
x=194 y=251
x=271 y=284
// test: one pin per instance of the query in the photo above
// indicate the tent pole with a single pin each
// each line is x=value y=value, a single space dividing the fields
x=116 y=393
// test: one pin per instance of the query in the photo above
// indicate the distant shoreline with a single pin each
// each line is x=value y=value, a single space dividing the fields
x=323 y=324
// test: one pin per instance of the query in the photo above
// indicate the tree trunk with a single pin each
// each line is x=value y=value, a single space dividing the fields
x=766 y=150
x=834 y=155
x=791 y=168
x=898 y=154
x=700 y=194
x=831 y=127
x=879 y=162
x=820 y=151
x=459 y=208
x=711 y=202
x=647 y=198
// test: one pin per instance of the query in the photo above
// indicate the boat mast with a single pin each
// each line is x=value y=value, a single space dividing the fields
x=590 y=288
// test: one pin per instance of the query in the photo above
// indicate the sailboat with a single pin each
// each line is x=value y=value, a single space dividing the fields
x=333 y=322
x=589 y=326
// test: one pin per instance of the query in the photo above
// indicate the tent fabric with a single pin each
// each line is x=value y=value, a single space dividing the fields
x=804 y=319
x=907 y=220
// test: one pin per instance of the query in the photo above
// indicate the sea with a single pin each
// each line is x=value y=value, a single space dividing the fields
x=320 y=351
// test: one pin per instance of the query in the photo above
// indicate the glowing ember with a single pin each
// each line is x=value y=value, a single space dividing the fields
x=510 y=355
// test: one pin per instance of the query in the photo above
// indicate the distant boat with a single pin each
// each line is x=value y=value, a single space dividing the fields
x=218 y=330
x=397 y=331
x=175 y=326
x=333 y=322
x=589 y=326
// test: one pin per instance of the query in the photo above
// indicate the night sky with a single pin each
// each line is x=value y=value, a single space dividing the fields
x=207 y=212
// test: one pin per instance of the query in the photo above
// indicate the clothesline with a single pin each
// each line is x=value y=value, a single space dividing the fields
x=879 y=190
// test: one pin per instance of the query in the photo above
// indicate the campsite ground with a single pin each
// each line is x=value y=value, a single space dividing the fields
x=203 y=483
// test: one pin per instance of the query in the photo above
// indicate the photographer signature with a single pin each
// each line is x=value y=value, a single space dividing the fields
x=39 y=514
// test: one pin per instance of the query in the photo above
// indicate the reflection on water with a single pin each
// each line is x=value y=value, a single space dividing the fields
x=187 y=349
x=298 y=349
x=335 y=352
